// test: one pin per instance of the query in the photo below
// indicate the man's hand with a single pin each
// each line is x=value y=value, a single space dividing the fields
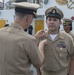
x=40 y=33
x=41 y=47
x=43 y=43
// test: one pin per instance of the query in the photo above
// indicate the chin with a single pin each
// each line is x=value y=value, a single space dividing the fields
x=51 y=28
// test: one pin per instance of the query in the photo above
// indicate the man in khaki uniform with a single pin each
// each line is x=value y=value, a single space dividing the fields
x=67 y=25
x=58 y=52
x=18 y=50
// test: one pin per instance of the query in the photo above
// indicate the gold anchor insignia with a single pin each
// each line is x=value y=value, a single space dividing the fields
x=62 y=2
x=69 y=3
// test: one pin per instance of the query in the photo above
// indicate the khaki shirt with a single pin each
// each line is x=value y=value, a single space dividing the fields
x=57 y=51
x=17 y=51
x=72 y=34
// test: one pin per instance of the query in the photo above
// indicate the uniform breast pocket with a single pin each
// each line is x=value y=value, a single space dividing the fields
x=62 y=52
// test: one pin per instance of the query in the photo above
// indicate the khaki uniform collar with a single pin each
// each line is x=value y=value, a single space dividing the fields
x=15 y=25
x=60 y=34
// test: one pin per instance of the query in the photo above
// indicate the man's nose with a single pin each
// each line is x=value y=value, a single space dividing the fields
x=51 y=21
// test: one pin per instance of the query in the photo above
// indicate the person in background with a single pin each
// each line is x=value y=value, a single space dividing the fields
x=30 y=29
x=67 y=25
x=6 y=25
x=18 y=49
x=59 y=51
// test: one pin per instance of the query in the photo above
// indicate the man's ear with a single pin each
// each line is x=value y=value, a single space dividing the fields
x=28 y=18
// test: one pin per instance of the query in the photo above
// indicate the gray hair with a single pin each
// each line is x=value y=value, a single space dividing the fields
x=20 y=15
